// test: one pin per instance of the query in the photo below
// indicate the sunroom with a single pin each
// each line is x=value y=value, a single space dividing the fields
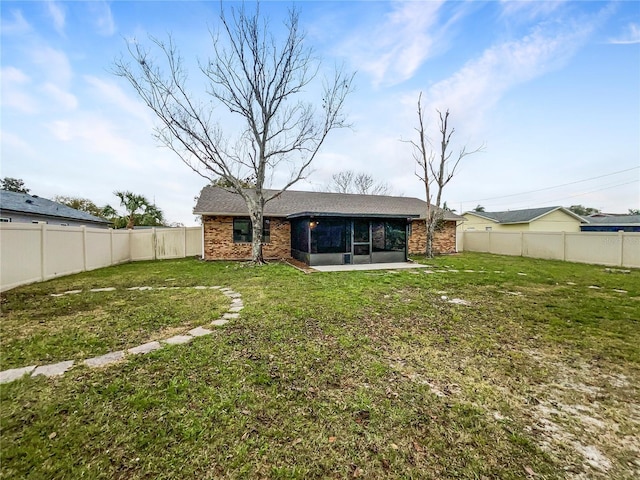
x=332 y=239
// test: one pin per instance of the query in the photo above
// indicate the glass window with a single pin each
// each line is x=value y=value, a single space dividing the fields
x=243 y=230
x=328 y=235
x=300 y=235
x=361 y=231
x=389 y=236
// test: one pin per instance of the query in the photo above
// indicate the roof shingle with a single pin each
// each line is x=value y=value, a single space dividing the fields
x=218 y=201
x=25 y=203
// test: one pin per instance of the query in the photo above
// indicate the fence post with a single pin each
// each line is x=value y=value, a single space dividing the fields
x=130 y=244
x=154 y=242
x=43 y=251
x=564 y=246
x=84 y=248
x=184 y=235
x=111 y=246
x=521 y=243
x=621 y=239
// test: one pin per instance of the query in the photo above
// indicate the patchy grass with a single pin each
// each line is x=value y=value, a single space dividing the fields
x=347 y=375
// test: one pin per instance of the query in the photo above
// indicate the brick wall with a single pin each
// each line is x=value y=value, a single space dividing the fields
x=444 y=240
x=219 y=245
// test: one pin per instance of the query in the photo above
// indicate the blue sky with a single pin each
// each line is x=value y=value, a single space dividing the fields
x=552 y=88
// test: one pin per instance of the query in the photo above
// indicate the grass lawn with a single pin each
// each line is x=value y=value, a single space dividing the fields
x=330 y=375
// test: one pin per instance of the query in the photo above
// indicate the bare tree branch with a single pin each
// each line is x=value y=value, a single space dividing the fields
x=435 y=167
x=256 y=78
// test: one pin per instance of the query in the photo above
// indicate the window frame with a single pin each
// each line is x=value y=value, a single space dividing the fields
x=248 y=237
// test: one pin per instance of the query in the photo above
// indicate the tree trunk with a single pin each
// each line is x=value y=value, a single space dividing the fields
x=256 y=242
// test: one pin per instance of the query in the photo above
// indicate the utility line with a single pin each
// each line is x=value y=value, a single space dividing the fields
x=586 y=193
x=551 y=188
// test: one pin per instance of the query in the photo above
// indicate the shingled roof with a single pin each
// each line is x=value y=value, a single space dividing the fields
x=34 y=205
x=291 y=203
x=522 y=216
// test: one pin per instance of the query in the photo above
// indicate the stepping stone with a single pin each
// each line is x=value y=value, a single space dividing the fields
x=459 y=301
x=178 y=340
x=215 y=287
x=522 y=274
x=236 y=308
x=102 y=360
x=145 y=348
x=220 y=322
x=620 y=291
x=200 y=332
x=106 y=289
x=145 y=288
x=427 y=271
x=570 y=283
x=594 y=287
x=169 y=279
x=200 y=287
x=470 y=271
x=237 y=301
x=57 y=294
x=174 y=288
x=234 y=295
x=53 y=370
x=68 y=292
x=229 y=316
x=15 y=373
x=133 y=288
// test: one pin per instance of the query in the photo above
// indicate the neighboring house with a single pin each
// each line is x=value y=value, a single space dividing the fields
x=25 y=208
x=608 y=222
x=547 y=219
x=321 y=228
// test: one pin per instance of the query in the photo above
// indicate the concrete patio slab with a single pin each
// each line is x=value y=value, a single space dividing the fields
x=145 y=348
x=106 y=359
x=53 y=370
x=367 y=266
x=15 y=373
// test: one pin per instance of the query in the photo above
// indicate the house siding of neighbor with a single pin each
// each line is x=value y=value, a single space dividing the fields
x=321 y=228
x=607 y=222
x=549 y=219
x=24 y=208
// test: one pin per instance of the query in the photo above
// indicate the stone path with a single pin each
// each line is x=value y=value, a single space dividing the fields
x=57 y=369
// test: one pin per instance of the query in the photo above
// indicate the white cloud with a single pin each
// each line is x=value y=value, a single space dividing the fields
x=103 y=18
x=110 y=92
x=54 y=64
x=393 y=51
x=480 y=83
x=15 y=91
x=16 y=25
x=57 y=14
x=11 y=141
x=529 y=9
x=631 y=36
x=64 y=99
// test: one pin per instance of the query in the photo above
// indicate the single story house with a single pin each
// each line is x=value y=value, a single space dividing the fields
x=320 y=228
x=546 y=219
x=609 y=222
x=25 y=208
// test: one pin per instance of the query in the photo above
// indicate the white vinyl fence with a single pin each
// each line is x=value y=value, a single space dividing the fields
x=620 y=249
x=32 y=253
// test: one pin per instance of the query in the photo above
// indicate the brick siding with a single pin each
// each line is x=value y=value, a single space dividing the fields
x=219 y=244
x=444 y=241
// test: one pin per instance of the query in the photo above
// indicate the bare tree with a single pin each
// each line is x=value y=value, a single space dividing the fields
x=347 y=181
x=258 y=79
x=435 y=167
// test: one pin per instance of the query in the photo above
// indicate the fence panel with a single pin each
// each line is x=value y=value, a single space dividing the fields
x=631 y=250
x=20 y=254
x=64 y=251
x=548 y=245
x=601 y=248
x=98 y=248
x=31 y=253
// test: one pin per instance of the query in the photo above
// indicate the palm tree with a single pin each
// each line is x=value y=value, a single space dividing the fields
x=132 y=204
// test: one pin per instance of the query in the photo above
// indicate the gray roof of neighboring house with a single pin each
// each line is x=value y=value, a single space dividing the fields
x=218 y=201
x=610 y=219
x=522 y=216
x=34 y=205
